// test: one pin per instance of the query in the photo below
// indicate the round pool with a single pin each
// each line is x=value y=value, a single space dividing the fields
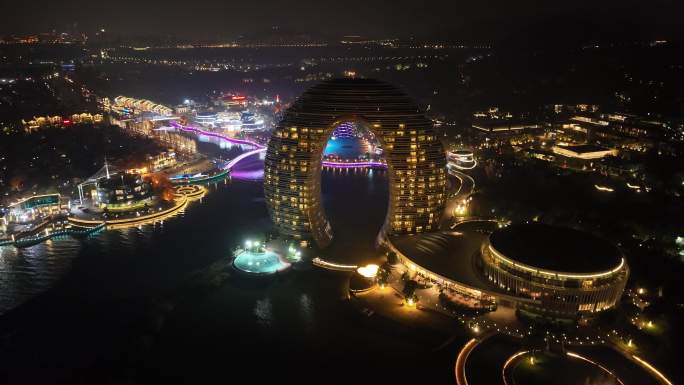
x=266 y=262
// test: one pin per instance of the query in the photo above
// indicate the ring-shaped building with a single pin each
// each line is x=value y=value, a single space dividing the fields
x=555 y=270
x=415 y=158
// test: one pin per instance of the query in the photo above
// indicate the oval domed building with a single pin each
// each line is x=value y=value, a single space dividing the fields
x=555 y=271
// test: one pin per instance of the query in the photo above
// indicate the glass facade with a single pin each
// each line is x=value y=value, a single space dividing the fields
x=555 y=293
x=39 y=201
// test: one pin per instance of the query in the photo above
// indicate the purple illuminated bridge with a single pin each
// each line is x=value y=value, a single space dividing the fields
x=216 y=135
x=259 y=148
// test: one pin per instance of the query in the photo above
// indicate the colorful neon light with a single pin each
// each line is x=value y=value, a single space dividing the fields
x=240 y=157
x=216 y=135
x=262 y=148
x=327 y=163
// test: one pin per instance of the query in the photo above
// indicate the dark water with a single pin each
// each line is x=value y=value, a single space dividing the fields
x=27 y=272
x=135 y=259
x=117 y=308
x=355 y=201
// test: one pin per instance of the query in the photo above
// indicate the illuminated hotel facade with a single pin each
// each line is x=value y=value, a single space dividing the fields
x=542 y=270
x=545 y=289
x=414 y=154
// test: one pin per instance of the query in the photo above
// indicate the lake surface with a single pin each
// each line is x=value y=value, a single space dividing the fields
x=345 y=148
x=233 y=210
x=118 y=303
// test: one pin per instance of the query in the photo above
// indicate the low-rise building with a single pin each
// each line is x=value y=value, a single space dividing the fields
x=583 y=151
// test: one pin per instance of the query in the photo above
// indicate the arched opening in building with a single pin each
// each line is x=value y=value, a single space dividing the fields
x=355 y=191
x=416 y=162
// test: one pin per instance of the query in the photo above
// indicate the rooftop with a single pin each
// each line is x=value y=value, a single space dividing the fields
x=584 y=148
x=117 y=180
x=559 y=249
x=450 y=254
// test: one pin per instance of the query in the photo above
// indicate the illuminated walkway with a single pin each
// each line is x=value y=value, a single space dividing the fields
x=462 y=357
x=138 y=220
x=242 y=156
x=261 y=148
x=36 y=239
x=333 y=266
x=215 y=135
x=359 y=164
x=330 y=164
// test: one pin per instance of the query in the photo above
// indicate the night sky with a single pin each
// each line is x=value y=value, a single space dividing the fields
x=456 y=19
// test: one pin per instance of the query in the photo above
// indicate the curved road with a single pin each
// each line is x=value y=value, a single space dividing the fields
x=465 y=189
x=463 y=354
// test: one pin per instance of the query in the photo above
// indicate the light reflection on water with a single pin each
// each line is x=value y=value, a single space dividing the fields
x=205 y=231
x=306 y=311
x=263 y=310
x=29 y=271
x=223 y=144
x=32 y=270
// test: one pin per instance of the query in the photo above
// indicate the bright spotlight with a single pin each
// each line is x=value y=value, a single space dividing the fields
x=368 y=271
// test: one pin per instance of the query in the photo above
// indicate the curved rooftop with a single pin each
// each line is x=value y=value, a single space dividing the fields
x=558 y=249
x=447 y=253
x=355 y=96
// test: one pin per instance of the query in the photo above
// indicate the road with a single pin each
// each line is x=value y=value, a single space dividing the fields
x=465 y=189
